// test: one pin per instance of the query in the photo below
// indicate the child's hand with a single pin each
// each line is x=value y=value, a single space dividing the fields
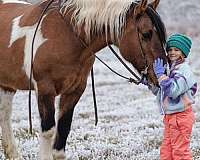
x=158 y=67
x=144 y=81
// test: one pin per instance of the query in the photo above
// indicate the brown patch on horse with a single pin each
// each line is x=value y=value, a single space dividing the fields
x=7 y=89
x=35 y=11
x=10 y=11
x=18 y=78
x=26 y=10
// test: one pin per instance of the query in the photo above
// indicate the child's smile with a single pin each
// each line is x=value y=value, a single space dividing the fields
x=174 y=54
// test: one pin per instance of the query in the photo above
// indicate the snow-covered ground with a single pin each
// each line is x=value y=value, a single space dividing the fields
x=129 y=127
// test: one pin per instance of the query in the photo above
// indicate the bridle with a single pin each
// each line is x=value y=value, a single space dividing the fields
x=143 y=74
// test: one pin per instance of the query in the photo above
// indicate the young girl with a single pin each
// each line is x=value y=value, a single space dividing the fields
x=175 y=97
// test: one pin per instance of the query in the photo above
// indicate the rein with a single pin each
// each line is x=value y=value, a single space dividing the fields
x=131 y=80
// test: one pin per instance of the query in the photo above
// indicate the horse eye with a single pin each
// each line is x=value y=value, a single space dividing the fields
x=147 y=35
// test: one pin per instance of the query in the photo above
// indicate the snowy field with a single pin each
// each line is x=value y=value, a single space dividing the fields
x=129 y=127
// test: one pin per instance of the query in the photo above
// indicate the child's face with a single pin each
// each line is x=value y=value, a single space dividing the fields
x=174 y=54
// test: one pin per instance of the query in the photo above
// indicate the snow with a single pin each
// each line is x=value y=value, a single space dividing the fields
x=130 y=126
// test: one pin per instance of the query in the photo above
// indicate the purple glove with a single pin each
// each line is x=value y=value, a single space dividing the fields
x=158 y=67
x=144 y=81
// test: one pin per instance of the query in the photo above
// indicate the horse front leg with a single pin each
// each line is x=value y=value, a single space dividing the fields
x=66 y=109
x=8 y=141
x=47 y=112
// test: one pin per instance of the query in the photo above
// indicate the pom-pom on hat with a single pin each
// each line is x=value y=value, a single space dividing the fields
x=181 y=42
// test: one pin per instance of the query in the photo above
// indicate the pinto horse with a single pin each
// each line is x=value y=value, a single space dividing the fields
x=61 y=62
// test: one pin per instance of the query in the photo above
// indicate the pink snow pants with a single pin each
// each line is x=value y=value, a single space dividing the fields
x=177 y=132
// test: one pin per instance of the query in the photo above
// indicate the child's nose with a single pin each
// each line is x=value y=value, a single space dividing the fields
x=172 y=52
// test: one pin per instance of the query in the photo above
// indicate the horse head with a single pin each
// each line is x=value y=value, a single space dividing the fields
x=143 y=38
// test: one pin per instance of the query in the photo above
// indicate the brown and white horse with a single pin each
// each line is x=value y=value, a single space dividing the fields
x=61 y=62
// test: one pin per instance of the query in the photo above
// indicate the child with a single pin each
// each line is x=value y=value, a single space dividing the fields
x=175 y=97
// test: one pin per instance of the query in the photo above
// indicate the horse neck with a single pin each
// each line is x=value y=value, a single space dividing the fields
x=96 y=42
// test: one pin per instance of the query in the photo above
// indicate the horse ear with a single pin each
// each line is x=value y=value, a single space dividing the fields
x=140 y=7
x=154 y=4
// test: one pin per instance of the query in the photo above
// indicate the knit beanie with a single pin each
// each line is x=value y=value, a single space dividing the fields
x=181 y=42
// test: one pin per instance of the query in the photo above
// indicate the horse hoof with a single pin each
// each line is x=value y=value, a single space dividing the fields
x=49 y=157
x=18 y=158
x=69 y=156
x=13 y=155
x=60 y=155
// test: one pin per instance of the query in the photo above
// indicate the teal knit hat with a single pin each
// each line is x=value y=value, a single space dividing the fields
x=181 y=42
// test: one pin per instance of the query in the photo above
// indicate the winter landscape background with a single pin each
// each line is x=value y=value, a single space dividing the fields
x=129 y=127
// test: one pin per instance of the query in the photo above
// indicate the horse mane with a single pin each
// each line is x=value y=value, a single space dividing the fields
x=158 y=23
x=98 y=16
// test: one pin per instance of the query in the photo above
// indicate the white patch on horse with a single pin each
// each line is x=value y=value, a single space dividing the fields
x=60 y=155
x=46 y=140
x=14 y=1
x=27 y=31
x=8 y=141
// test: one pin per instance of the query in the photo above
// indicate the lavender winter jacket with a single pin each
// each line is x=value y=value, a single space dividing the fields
x=176 y=90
